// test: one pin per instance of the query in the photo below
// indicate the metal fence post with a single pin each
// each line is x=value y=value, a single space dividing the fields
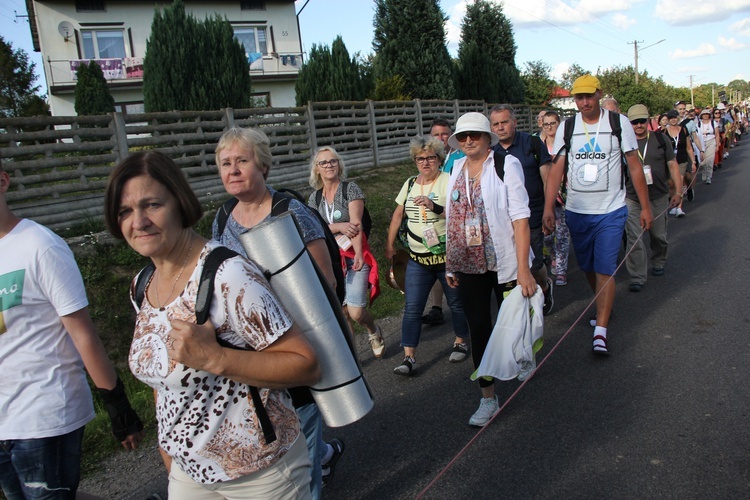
x=121 y=137
x=311 y=126
x=420 y=125
x=373 y=132
x=229 y=117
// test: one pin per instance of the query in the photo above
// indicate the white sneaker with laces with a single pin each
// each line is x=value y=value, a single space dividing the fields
x=488 y=407
x=526 y=369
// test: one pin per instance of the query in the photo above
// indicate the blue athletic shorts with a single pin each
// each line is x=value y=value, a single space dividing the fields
x=597 y=239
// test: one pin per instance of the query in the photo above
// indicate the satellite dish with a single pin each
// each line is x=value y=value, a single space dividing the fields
x=65 y=28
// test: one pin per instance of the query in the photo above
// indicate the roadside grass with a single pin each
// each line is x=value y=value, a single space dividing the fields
x=108 y=269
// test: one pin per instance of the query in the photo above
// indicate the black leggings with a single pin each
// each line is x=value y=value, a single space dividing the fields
x=475 y=292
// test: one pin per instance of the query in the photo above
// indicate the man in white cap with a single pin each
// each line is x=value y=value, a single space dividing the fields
x=595 y=209
x=659 y=165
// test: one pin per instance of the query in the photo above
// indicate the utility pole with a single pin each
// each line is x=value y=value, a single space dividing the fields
x=635 y=52
x=692 y=99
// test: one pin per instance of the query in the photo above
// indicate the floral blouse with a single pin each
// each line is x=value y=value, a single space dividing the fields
x=463 y=258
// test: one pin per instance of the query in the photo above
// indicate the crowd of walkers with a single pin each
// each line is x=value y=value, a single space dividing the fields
x=491 y=211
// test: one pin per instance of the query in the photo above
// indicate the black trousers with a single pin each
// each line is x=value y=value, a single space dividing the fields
x=475 y=292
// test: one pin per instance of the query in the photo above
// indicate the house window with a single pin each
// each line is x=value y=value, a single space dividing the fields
x=103 y=44
x=90 y=6
x=253 y=39
x=252 y=5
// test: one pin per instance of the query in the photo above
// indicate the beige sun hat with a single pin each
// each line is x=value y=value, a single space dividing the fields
x=472 y=122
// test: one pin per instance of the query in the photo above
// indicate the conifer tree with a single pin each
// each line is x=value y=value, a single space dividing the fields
x=18 y=94
x=409 y=41
x=329 y=74
x=92 y=96
x=486 y=67
x=193 y=65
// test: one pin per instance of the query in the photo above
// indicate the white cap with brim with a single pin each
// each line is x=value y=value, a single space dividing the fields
x=472 y=122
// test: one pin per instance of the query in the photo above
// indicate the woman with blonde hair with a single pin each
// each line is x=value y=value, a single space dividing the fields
x=342 y=205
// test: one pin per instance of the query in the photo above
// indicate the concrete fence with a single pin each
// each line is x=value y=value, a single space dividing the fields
x=59 y=165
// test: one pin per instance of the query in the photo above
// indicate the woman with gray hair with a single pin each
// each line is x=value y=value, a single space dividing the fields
x=243 y=156
x=421 y=201
x=342 y=205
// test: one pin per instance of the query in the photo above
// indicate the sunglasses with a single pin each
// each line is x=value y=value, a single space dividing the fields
x=639 y=121
x=462 y=136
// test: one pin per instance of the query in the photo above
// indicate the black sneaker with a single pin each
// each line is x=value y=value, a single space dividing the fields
x=407 y=367
x=329 y=467
x=434 y=317
x=690 y=194
x=549 y=299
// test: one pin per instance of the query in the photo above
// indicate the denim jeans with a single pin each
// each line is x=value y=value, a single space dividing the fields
x=418 y=282
x=44 y=468
x=311 y=423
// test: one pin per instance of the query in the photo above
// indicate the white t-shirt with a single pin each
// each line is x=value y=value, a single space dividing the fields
x=207 y=423
x=43 y=387
x=595 y=165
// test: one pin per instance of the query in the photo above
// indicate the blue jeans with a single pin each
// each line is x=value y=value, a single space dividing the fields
x=45 y=468
x=311 y=423
x=418 y=282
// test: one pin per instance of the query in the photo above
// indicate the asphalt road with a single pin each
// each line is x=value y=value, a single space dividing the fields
x=666 y=416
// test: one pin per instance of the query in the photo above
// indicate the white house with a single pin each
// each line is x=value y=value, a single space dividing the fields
x=114 y=32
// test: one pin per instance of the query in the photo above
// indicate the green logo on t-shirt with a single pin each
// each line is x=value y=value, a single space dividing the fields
x=11 y=289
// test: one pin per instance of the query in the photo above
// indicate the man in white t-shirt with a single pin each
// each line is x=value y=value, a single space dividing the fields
x=595 y=209
x=47 y=339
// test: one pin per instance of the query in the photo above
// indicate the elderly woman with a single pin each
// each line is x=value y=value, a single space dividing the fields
x=243 y=156
x=498 y=258
x=342 y=205
x=201 y=373
x=422 y=201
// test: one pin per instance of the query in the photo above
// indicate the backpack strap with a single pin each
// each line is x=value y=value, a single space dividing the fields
x=616 y=126
x=206 y=281
x=222 y=216
x=202 y=307
x=536 y=148
x=499 y=159
x=318 y=197
x=138 y=291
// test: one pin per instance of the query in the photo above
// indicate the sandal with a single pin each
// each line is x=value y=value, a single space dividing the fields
x=600 y=349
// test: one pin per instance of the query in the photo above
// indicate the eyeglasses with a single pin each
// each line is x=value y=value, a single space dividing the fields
x=462 y=136
x=428 y=159
x=332 y=163
x=550 y=125
x=639 y=121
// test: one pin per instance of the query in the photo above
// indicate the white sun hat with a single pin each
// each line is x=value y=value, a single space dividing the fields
x=472 y=122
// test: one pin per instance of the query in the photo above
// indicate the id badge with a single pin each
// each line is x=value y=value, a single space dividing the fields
x=430 y=236
x=647 y=173
x=473 y=229
x=590 y=172
x=343 y=241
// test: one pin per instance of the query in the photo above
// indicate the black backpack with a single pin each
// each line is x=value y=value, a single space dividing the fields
x=366 y=219
x=202 y=308
x=279 y=205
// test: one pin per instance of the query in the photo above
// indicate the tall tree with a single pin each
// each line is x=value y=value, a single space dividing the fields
x=409 y=41
x=92 y=96
x=486 y=67
x=330 y=75
x=193 y=65
x=574 y=71
x=18 y=94
x=538 y=82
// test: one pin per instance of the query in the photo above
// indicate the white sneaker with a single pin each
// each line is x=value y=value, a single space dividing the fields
x=679 y=213
x=673 y=211
x=726 y=155
x=526 y=369
x=488 y=407
x=377 y=343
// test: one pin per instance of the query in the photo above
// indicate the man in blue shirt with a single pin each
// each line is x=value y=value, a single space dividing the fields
x=536 y=161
